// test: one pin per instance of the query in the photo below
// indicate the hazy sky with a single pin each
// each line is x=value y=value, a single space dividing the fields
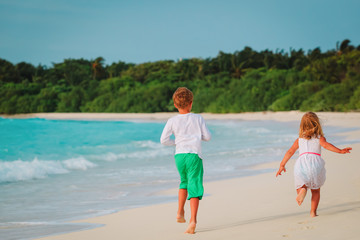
x=47 y=31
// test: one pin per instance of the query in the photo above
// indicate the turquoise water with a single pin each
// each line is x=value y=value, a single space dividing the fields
x=53 y=171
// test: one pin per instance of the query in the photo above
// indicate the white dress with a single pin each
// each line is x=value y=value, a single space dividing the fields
x=309 y=169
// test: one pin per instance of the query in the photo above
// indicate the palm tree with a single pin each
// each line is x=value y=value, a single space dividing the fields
x=97 y=67
x=344 y=47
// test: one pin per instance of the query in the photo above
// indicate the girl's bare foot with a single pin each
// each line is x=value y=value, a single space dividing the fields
x=301 y=196
x=313 y=214
x=191 y=228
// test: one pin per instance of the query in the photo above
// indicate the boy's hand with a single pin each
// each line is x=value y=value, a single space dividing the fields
x=345 y=150
x=281 y=169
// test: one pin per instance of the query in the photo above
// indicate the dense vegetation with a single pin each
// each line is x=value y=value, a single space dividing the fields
x=246 y=80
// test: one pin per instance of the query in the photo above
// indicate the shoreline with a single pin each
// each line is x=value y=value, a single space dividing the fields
x=331 y=118
x=338 y=119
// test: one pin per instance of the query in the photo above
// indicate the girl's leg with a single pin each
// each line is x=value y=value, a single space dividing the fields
x=182 y=199
x=315 y=199
x=301 y=194
x=194 y=206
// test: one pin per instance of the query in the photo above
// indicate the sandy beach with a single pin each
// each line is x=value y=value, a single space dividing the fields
x=255 y=207
x=334 y=118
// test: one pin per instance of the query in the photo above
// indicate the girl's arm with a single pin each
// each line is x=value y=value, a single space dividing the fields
x=332 y=148
x=287 y=156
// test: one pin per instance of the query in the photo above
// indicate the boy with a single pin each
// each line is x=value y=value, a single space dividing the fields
x=189 y=129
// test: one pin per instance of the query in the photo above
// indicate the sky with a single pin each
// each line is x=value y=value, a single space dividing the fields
x=137 y=31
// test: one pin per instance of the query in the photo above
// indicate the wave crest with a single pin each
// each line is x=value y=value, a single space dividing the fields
x=19 y=170
x=79 y=163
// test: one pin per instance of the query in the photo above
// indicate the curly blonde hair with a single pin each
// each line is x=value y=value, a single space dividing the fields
x=183 y=97
x=310 y=126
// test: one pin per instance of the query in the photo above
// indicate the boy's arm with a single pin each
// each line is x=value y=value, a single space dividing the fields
x=287 y=156
x=205 y=133
x=165 y=136
x=332 y=148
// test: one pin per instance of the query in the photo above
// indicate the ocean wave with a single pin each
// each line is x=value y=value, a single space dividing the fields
x=148 y=144
x=146 y=172
x=115 y=196
x=79 y=163
x=108 y=157
x=133 y=149
x=240 y=152
x=256 y=130
x=146 y=149
x=147 y=154
x=19 y=170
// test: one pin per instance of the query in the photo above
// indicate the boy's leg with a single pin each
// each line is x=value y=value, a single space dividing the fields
x=194 y=206
x=181 y=166
x=315 y=199
x=195 y=172
x=195 y=189
x=182 y=199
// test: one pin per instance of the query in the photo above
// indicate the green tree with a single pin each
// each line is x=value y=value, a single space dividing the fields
x=8 y=72
x=98 y=68
x=71 y=101
x=26 y=71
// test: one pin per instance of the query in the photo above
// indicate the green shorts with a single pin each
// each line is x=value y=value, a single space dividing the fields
x=191 y=172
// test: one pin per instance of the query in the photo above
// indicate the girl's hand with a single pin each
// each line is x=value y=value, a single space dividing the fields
x=345 y=150
x=281 y=169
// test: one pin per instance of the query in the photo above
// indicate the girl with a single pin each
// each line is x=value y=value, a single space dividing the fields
x=309 y=170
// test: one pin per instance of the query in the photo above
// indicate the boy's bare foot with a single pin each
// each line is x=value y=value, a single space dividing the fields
x=180 y=219
x=313 y=214
x=191 y=228
x=301 y=196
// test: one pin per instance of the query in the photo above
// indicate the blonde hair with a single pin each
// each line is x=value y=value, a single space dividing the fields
x=183 y=97
x=310 y=126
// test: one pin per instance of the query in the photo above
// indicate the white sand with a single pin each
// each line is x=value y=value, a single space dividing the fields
x=327 y=117
x=257 y=207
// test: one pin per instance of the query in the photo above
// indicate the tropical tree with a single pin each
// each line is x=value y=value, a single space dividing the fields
x=98 y=68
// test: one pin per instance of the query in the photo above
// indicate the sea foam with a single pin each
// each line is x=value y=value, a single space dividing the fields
x=12 y=171
x=79 y=163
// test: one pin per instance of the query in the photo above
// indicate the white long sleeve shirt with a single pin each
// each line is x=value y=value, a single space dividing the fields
x=189 y=130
